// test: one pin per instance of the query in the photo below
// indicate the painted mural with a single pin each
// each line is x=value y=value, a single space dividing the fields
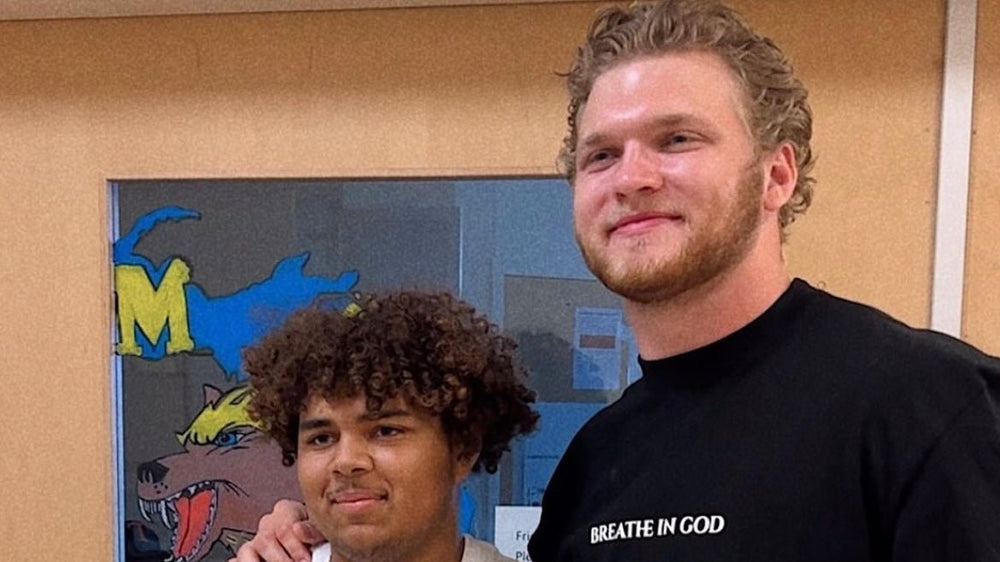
x=162 y=312
x=204 y=268
x=228 y=474
x=227 y=477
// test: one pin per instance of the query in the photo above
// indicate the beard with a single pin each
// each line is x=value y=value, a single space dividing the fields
x=711 y=250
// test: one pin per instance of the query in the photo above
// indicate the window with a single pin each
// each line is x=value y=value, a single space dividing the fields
x=204 y=268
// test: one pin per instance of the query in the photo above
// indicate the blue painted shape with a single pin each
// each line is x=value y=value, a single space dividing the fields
x=123 y=250
x=224 y=325
x=123 y=253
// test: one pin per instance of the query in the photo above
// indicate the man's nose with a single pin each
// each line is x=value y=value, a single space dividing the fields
x=638 y=171
x=353 y=456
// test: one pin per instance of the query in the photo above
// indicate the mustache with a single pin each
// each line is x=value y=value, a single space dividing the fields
x=362 y=485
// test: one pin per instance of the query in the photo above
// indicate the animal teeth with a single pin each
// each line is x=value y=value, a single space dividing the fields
x=163 y=515
x=142 y=509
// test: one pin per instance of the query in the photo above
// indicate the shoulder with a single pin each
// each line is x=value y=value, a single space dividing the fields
x=479 y=551
x=921 y=380
x=878 y=344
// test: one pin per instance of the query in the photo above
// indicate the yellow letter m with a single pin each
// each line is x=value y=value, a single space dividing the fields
x=152 y=308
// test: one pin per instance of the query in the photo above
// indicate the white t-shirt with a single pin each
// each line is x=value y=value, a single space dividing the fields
x=475 y=551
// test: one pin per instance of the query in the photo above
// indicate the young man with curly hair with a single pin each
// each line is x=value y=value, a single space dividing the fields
x=384 y=412
x=773 y=421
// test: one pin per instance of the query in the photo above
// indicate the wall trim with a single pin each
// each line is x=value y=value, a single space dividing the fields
x=953 y=168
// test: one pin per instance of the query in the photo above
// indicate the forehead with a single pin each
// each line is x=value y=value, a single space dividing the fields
x=695 y=83
x=353 y=409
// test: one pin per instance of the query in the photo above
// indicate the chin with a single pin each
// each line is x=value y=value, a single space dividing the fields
x=359 y=541
x=650 y=284
x=364 y=550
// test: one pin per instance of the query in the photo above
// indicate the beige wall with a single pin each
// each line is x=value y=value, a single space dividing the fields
x=981 y=314
x=394 y=92
x=875 y=89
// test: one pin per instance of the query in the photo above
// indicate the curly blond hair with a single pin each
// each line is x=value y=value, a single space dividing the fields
x=775 y=99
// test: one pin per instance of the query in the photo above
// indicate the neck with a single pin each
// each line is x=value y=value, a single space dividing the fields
x=448 y=545
x=713 y=310
x=438 y=551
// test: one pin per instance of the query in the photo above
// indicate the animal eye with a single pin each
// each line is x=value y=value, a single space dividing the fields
x=227 y=439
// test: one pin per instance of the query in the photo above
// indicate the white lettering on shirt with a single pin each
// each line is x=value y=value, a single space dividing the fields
x=659 y=527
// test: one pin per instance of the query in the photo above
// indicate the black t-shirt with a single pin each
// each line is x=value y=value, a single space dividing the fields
x=823 y=430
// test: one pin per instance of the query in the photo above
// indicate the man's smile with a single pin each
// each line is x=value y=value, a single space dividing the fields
x=357 y=501
x=640 y=223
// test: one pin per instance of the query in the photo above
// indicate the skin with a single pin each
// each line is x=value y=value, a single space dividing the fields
x=377 y=485
x=673 y=207
x=679 y=214
x=380 y=485
x=284 y=535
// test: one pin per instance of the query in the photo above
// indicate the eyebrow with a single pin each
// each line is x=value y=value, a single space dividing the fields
x=382 y=414
x=313 y=423
x=374 y=415
x=661 y=122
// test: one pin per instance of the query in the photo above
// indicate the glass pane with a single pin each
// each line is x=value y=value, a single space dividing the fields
x=204 y=268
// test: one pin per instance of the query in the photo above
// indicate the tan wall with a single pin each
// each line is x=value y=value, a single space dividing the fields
x=876 y=91
x=396 y=92
x=981 y=314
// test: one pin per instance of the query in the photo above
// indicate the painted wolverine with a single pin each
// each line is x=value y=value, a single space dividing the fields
x=228 y=476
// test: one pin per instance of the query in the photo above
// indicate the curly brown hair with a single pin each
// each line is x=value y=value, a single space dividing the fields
x=433 y=350
x=774 y=97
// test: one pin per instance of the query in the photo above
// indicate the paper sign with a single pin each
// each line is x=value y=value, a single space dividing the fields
x=513 y=528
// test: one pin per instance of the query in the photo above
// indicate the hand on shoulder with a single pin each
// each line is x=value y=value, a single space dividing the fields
x=284 y=535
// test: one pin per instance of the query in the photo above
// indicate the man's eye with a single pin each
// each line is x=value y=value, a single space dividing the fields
x=677 y=139
x=387 y=431
x=598 y=158
x=320 y=439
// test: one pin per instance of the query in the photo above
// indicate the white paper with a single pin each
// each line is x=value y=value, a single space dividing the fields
x=513 y=528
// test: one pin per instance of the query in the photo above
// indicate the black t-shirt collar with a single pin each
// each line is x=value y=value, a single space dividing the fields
x=734 y=353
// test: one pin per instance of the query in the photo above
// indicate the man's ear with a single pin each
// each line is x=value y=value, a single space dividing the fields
x=782 y=174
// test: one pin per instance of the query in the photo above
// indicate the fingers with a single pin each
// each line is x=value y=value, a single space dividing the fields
x=282 y=536
x=307 y=533
x=285 y=512
x=266 y=549
x=287 y=546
